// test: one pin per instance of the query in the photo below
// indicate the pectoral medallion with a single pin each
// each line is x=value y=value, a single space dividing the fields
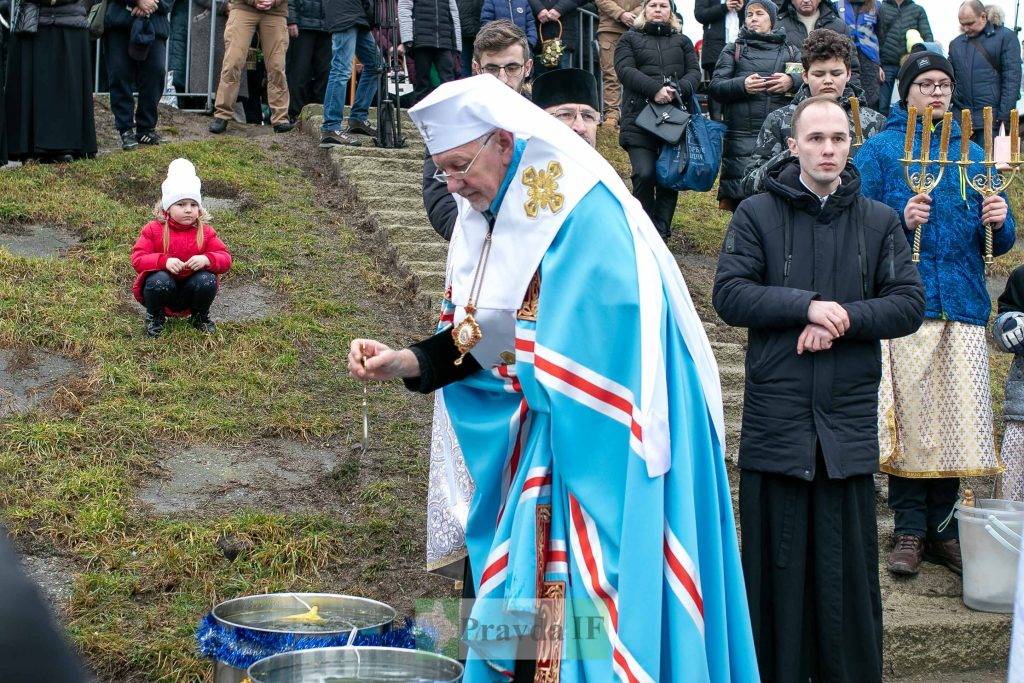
x=466 y=334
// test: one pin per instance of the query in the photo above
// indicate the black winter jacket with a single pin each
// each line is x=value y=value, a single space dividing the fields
x=341 y=15
x=978 y=83
x=469 y=19
x=711 y=13
x=643 y=60
x=744 y=112
x=430 y=23
x=796 y=33
x=893 y=23
x=119 y=17
x=65 y=14
x=438 y=202
x=568 y=10
x=308 y=15
x=852 y=251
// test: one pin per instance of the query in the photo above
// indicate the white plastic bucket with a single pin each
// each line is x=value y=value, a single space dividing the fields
x=990 y=542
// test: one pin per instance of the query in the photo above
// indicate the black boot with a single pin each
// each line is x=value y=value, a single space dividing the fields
x=155 y=324
x=201 y=321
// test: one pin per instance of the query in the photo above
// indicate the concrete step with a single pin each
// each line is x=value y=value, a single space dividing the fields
x=403 y=216
x=378 y=165
x=434 y=251
x=386 y=155
x=431 y=281
x=401 y=182
x=426 y=267
x=380 y=202
x=399 y=232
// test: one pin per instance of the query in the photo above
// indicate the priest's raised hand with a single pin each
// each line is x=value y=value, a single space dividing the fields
x=371 y=360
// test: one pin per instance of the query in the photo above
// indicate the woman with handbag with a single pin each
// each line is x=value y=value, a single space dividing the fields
x=655 y=63
x=751 y=80
x=49 y=82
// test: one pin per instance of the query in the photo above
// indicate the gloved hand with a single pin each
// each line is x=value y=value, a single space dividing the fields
x=1011 y=334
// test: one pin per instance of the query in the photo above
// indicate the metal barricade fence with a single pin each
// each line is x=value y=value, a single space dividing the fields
x=585 y=56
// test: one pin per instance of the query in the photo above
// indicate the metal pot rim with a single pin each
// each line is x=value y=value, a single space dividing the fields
x=387 y=609
x=369 y=648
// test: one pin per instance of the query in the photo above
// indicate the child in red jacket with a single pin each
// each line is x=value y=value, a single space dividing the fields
x=177 y=256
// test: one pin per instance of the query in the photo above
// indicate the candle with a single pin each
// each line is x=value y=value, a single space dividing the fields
x=947 y=125
x=926 y=136
x=987 y=122
x=1014 y=137
x=966 y=128
x=858 y=130
x=908 y=142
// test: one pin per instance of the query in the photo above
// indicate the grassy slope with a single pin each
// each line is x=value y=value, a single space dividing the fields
x=68 y=470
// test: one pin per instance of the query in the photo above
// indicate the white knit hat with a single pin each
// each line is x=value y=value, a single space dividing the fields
x=181 y=183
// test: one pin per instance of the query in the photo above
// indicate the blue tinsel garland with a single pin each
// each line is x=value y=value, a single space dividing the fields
x=242 y=647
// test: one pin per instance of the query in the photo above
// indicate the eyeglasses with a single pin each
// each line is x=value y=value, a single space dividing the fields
x=444 y=176
x=568 y=116
x=930 y=88
x=512 y=70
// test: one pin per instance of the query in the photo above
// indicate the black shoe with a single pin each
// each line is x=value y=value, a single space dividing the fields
x=218 y=126
x=155 y=324
x=128 y=140
x=284 y=127
x=361 y=128
x=149 y=137
x=336 y=138
x=202 y=322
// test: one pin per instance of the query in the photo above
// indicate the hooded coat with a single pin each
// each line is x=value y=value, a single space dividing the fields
x=796 y=32
x=745 y=112
x=782 y=250
x=952 y=264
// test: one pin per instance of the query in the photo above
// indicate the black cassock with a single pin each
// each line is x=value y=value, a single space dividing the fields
x=810 y=564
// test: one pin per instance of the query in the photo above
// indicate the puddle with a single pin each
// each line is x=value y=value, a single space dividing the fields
x=277 y=474
x=37 y=240
x=30 y=376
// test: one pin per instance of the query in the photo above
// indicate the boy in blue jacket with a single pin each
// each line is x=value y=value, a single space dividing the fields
x=935 y=403
x=517 y=11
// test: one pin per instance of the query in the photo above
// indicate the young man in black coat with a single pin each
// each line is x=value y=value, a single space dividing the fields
x=818 y=274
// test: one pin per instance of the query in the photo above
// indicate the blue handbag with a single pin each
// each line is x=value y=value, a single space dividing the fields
x=693 y=164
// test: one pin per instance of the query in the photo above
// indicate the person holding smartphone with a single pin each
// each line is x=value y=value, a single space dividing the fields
x=750 y=81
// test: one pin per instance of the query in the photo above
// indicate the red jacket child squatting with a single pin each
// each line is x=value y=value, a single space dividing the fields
x=148 y=254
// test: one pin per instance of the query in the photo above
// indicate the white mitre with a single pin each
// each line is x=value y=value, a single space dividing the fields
x=459 y=112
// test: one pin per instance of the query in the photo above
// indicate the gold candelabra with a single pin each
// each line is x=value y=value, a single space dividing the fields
x=924 y=180
x=993 y=180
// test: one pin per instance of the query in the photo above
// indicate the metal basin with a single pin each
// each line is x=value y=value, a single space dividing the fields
x=344 y=664
x=341 y=614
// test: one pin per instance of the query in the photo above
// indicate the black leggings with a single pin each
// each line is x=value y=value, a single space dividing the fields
x=195 y=293
x=658 y=203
